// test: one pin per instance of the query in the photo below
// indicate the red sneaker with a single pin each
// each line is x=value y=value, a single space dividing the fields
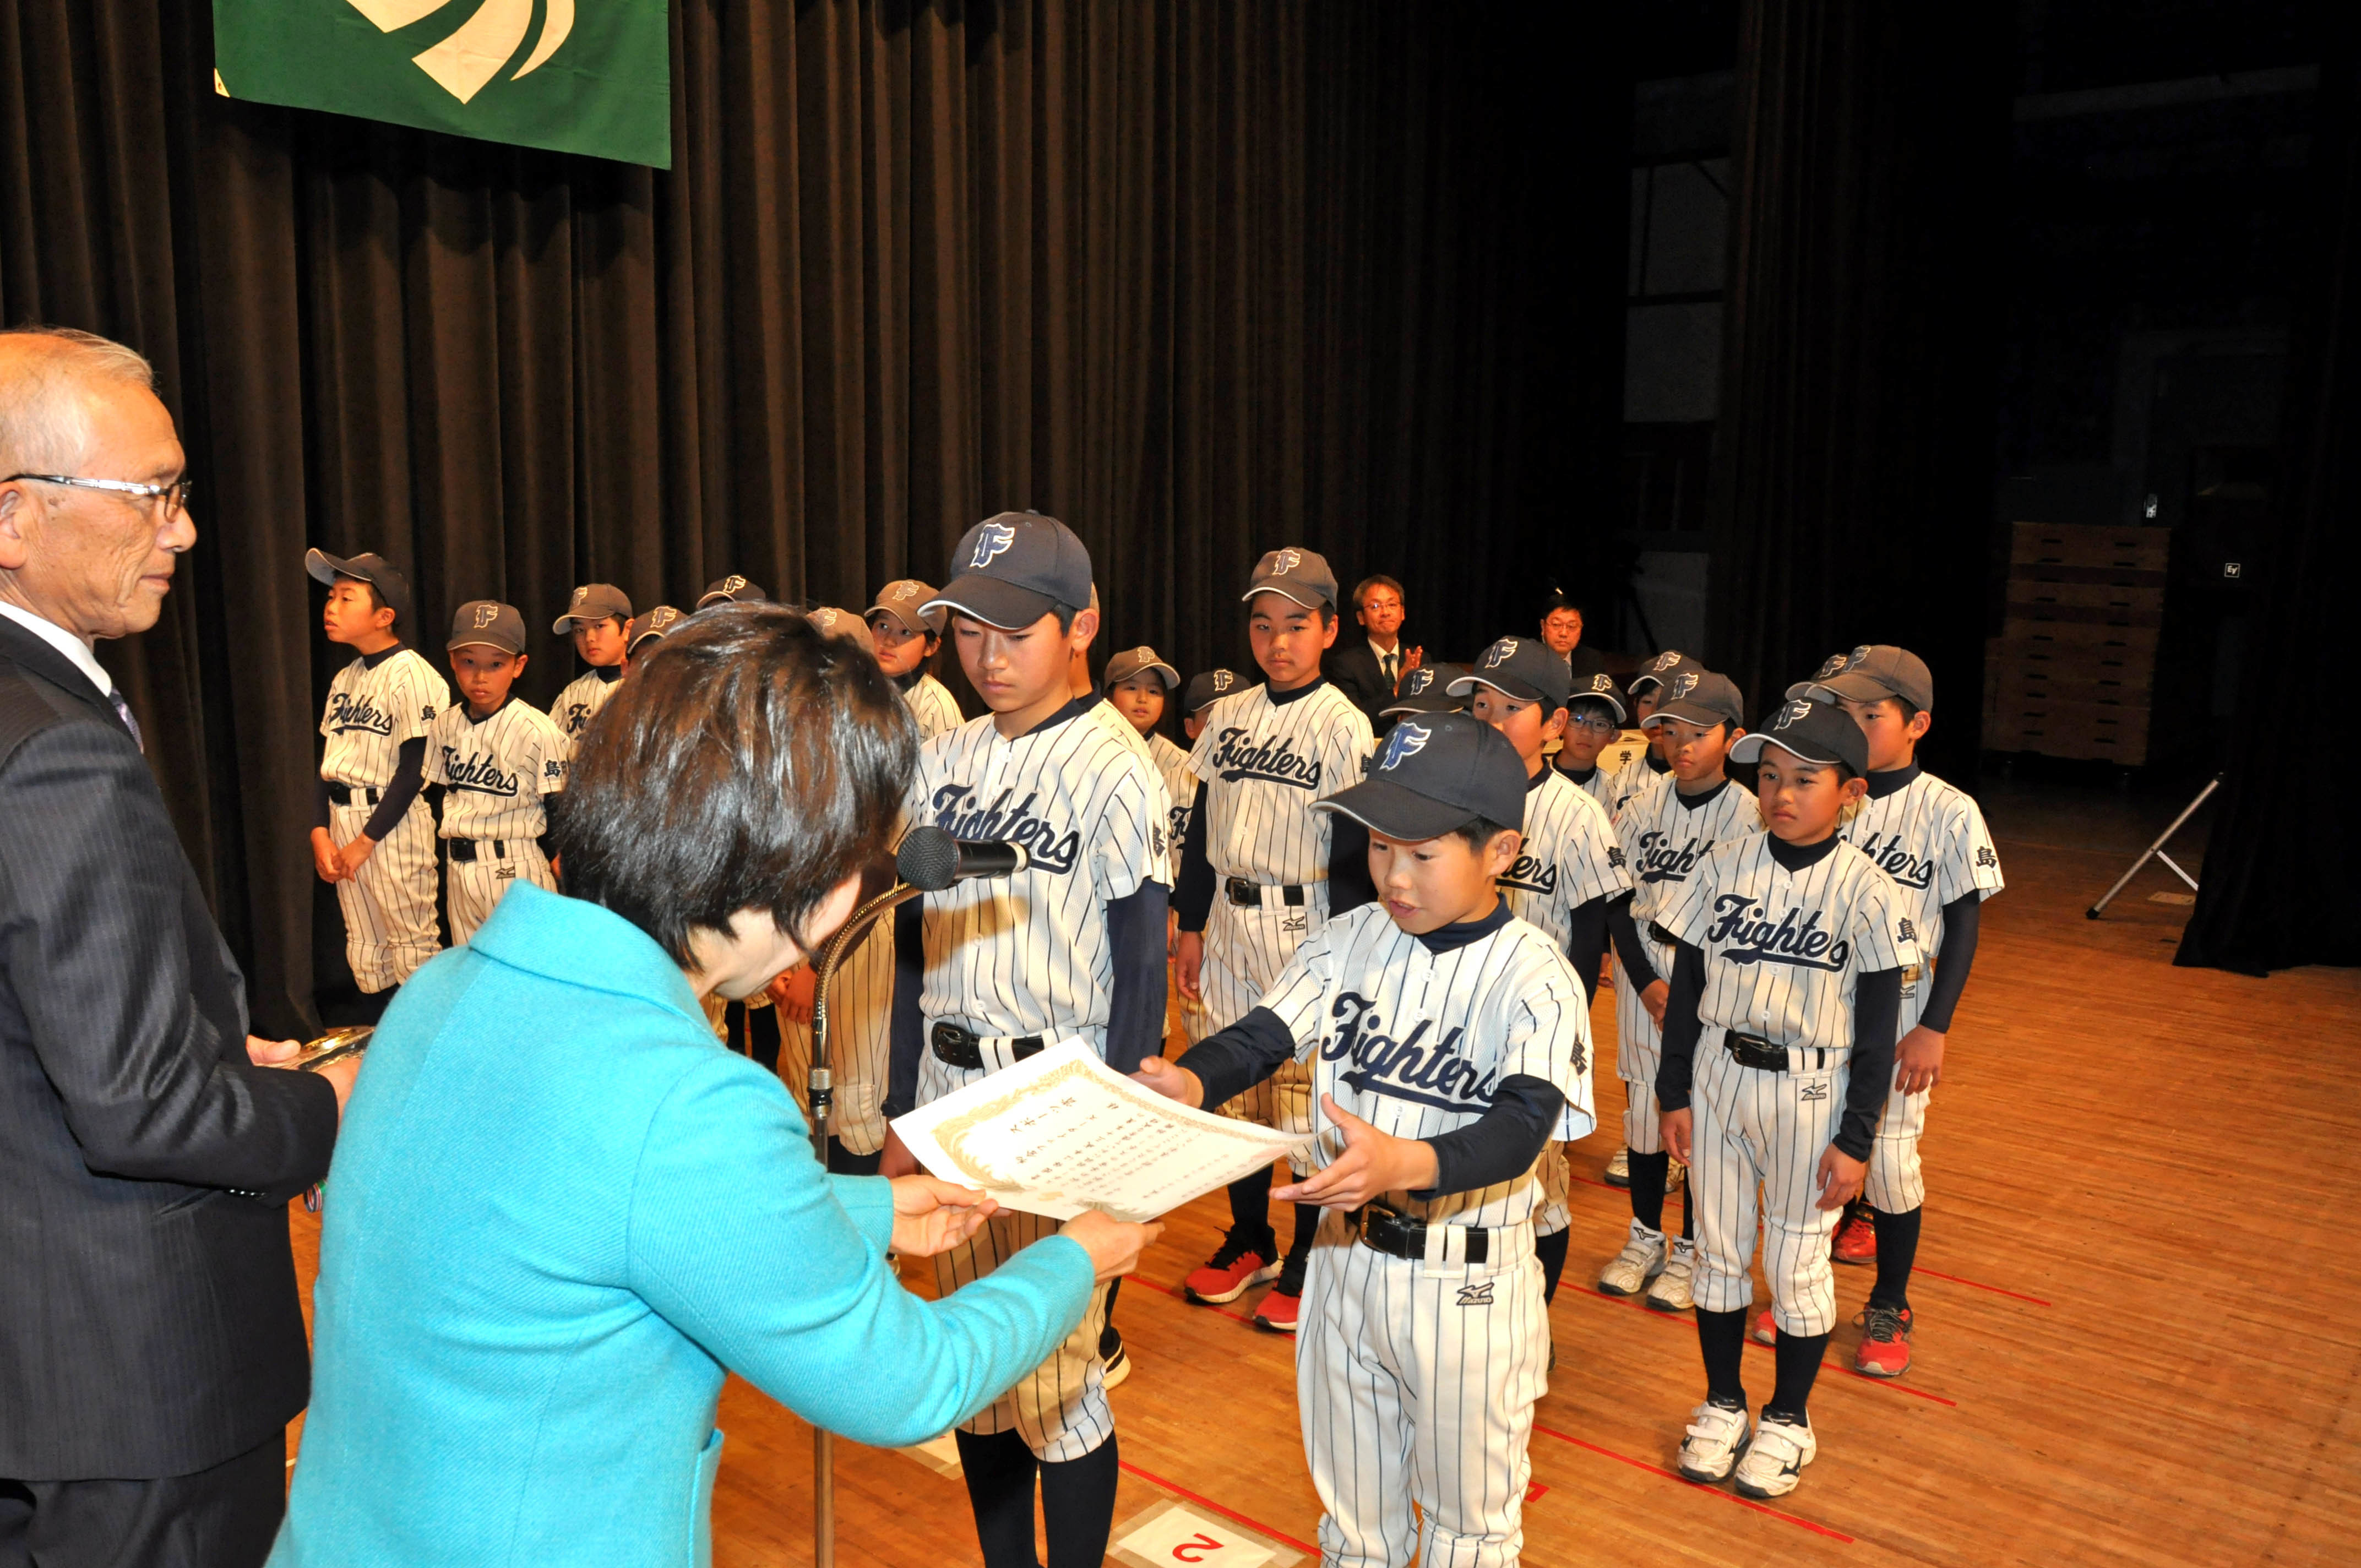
x=1227 y=1274
x=1767 y=1328
x=1856 y=1238
x=1280 y=1309
x=1885 y=1342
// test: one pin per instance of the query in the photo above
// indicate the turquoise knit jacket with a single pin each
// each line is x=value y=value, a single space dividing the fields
x=558 y=1211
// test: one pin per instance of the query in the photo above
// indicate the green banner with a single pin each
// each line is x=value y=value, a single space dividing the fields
x=591 y=76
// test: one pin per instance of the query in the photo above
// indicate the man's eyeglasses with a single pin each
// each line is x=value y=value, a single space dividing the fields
x=175 y=496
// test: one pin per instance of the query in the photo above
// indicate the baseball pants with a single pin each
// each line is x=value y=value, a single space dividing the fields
x=1060 y=1407
x=1896 y=1184
x=1751 y=1128
x=859 y=1015
x=473 y=888
x=1557 y=1177
x=388 y=904
x=1639 y=1050
x=1245 y=948
x=1417 y=1381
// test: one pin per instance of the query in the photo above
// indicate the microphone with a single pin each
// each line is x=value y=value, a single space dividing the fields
x=932 y=859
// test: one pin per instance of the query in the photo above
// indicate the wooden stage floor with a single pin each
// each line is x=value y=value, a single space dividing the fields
x=2136 y=1338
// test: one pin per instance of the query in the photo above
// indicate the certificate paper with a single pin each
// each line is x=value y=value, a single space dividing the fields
x=1061 y=1133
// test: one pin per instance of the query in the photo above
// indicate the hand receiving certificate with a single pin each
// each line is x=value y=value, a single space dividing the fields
x=1062 y=1133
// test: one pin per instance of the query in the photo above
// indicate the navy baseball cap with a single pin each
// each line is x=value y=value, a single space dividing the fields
x=368 y=567
x=654 y=623
x=733 y=588
x=594 y=601
x=487 y=623
x=900 y=600
x=1660 y=671
x=1138 y=661
x=1209 y=686
x=1426 y=690
x=1600 y=687
x=1012 y=569
x=1874 y=672
x=1701 y=697
x=1433 y=775
x=1829 y=666
x=1297 y=574
x=1815 y=730
x=1521 y=667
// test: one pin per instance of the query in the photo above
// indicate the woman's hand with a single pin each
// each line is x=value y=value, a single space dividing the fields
x=1115 y=1246
x=932 y=1216
x=1372 y=1165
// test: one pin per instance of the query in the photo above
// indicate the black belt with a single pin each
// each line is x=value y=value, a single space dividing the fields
x=464 y=849
x=1662 y=935
x=1250 y=893
x=1398 y=1236
x=957 y=1047
x=1753 y=1051
x=342 y=794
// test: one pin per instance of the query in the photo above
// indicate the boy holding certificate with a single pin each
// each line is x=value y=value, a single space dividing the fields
x=1448 y=1042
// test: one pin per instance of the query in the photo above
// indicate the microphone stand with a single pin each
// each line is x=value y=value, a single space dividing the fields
x=821 y=1085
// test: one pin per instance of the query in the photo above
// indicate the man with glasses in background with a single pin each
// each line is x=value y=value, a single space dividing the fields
x=1368 y=669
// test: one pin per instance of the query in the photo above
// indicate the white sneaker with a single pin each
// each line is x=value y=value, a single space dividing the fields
x=1670 y=1293
x=1774 y=1462
x=1619 y=1169
x=1716 y=1435
x=1641 y=1259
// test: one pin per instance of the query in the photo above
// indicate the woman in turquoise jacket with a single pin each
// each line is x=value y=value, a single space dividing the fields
x=559 y=1210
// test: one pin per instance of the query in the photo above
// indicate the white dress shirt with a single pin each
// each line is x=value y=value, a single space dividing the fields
x=64 y=641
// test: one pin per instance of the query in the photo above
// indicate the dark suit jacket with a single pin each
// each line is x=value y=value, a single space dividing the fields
x=1354 y=671
x=150 y=1324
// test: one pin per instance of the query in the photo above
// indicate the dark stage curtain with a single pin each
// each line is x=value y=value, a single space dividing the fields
x=1200 y=279
x=2284 y=862
x=1853 y=458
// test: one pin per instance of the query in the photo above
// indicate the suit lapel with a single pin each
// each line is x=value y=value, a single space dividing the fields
x=39 y=658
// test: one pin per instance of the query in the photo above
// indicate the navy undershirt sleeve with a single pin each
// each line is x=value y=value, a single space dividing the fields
x=1876 y=1009
x=1637 y=966
x=1682 y=1028
x=1236 y=1058
x=1194 y=895
x=409 y=772
x=1348 y=865
x=1503 y=1144
x=1135 y=1008
x=1585 y=943
x=905 y=1029
x=1962 y=920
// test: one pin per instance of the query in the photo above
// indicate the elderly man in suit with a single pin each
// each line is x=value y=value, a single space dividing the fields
x=151 y=1339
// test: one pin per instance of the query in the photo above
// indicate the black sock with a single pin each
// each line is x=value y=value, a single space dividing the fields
x=1078 y=1507
x=1648 y=1187
x=1298 y=1253
x=1250 y=1211
x=1110 y=1337
x=999 y=1474
x=1550 y=1250
x=1799 y=1366
x=1897 y=1253
x=1722 y=1337
x=1688 y=1215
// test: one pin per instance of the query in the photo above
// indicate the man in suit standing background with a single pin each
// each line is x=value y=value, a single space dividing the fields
x=1368 y=669
x=1561 y=628
x=152 y=1338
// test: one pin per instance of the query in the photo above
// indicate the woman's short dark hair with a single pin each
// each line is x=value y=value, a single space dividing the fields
x=747 y=763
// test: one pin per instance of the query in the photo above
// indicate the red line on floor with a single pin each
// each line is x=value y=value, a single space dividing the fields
x=1696 y=1486
x=1230 y=1514
x=1979 y=1285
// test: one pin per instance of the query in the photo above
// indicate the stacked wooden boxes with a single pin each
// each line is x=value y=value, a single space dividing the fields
x=2074 y=670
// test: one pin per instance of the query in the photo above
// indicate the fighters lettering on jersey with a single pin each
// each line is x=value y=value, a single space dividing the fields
x=1274 y=761
x=1754 y=939
x=483 y=775
x=1532 y=874
x=1439 y=1074
x=1661 y=861
x=1885 y=851
x=1052 y=850
x=348 y=712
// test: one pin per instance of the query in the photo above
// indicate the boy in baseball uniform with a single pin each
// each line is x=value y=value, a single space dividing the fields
x=1647 y=693
x=1137 y=685
x=1789 y=949
x=907 y=643
x=498 y=758
x=1205 y=688
x=993 y=970
x=644 y=629
x=1930 y=838
x=734 y=588
x=1260 y=872
x=1449 y=1042
x=1568 y=868
x=597 y=617
x=373 y=837
x=1666 y=829
x=1424 y=690
x=1597 y=750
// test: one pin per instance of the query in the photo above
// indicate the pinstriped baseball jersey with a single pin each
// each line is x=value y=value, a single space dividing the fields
x=1179 y=789
x=1265 y=762
x=372 y=712
x=579 y=703
x=1609 y=783
x=931 y=704
x=1631 y=781
x=1569 y=857
x=1415 y=1042
x=1666 y=837
x=1030 y=954
x=494 y=773
x=1783 y=950
x=1929 y=836
x=1103 y=713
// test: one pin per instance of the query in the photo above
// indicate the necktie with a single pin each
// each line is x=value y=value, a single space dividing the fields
x=123 y=712
x=1393 y=680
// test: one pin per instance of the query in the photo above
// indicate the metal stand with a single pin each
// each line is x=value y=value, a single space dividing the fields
x=2156 y=851
x=823 y=1095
